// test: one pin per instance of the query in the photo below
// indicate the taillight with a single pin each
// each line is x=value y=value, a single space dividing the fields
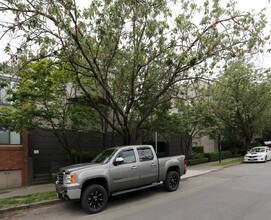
x=184 y=163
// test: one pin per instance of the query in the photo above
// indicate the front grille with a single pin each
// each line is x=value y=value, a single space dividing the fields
x=60 y=176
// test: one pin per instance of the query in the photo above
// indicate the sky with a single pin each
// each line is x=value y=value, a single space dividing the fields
x=243 y=5
x=248 y=5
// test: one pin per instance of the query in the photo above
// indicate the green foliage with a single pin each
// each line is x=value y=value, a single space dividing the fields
x=198 y=149
x=230 y=163
x=196 y=155
x=54 y=177
x=46 y=96
x=215 y=156
x=191 y=162
x=241 y=101
x=211 y=156
x=136 y=55
x=27 y=199
x=78 y=156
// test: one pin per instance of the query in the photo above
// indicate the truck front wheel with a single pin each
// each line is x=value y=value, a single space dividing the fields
x=171 y=183
x=94 y=198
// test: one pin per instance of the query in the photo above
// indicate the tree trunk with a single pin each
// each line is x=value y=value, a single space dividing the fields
x=247 y=143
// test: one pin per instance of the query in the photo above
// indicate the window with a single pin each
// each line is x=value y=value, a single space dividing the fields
x=9 y=137
x=128 y=156
x=194 y=144
x=3 y=95
x=145 y=154
x=4 y=87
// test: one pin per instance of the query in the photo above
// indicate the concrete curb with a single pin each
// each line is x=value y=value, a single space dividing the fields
x=31 y=205
x=198 y=174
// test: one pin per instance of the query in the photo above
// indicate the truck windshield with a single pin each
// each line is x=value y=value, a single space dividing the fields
x=104 y=157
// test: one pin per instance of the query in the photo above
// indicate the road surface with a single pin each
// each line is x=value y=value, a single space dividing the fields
x=240 y=192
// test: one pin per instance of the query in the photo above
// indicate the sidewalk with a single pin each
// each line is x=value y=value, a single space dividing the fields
x=7 y=193
x=192 y=171
x=203 y=168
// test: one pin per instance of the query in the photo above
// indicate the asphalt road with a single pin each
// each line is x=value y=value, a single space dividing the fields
x=234 y=193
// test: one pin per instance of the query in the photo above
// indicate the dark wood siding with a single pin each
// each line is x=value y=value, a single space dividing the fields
x=48 y=155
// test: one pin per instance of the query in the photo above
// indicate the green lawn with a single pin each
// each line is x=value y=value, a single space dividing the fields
x=27 y=199
x=230 y=163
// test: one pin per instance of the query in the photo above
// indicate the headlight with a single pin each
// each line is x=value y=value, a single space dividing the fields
x=70 y=178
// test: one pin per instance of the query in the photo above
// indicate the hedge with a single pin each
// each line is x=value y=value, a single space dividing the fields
x=196 y=156
x=191 y=162
x=198 y=149
x=215 y=156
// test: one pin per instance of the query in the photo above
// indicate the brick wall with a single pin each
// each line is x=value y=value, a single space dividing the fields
x=14 y=157
x=10 y=157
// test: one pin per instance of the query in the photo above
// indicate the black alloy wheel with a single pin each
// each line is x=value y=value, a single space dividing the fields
x=94 y=198
x=171 y=183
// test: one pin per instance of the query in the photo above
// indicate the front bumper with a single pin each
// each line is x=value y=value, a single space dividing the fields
x=68 y=192
x=257 y=159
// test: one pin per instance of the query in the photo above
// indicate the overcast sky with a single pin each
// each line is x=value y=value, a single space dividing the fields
x=243 y=5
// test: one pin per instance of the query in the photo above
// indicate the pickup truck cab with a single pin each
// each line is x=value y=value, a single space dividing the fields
x=115 y=171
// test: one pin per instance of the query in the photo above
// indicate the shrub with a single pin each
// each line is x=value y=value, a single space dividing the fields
x=196 y=155
x=226 y=154
x=211 y=156
x=242 y=152
x=215 y=156
x=191 y=162
x=54 y=177
x=198 y=149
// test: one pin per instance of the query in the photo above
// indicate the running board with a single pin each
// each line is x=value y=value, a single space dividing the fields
x=135 y=189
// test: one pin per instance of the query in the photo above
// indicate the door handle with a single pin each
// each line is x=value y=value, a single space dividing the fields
x=153 y=165
x=133 y=167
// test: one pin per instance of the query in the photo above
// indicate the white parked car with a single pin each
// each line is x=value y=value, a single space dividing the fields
x=258 y=154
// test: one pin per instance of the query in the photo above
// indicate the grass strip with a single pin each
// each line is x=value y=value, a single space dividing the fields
x=230 y=162
x=27 y=199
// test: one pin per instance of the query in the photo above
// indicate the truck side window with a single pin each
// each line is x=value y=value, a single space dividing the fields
x=128 y=156
x=145 y=154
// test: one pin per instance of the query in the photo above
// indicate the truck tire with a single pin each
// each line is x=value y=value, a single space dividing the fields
x=94 y=199
x=171 y=183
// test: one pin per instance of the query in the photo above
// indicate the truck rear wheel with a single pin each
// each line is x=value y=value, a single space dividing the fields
x=94 y=198
x=171 y=183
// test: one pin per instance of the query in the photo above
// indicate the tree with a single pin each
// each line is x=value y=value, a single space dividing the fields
x=189 y=115
x=192 y=115
x=42 y=99
x=134 y=53
x=241 y=100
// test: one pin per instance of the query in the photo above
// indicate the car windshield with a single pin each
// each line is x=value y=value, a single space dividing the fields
x=257 y=150
x=104 y=157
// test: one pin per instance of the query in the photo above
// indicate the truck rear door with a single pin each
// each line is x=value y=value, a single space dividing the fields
x=148 y=165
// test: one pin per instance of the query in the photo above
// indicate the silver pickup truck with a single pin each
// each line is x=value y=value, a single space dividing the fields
x=115 y=171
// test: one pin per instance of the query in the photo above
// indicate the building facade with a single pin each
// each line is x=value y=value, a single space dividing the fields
x=13 y=147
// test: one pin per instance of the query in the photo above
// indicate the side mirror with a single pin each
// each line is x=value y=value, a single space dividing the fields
x=118 y=161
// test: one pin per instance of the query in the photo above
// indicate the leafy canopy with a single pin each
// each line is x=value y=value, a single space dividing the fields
x=133 y=54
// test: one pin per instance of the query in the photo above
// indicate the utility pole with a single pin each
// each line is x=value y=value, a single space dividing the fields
x=155 y=138
x=219 y=145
